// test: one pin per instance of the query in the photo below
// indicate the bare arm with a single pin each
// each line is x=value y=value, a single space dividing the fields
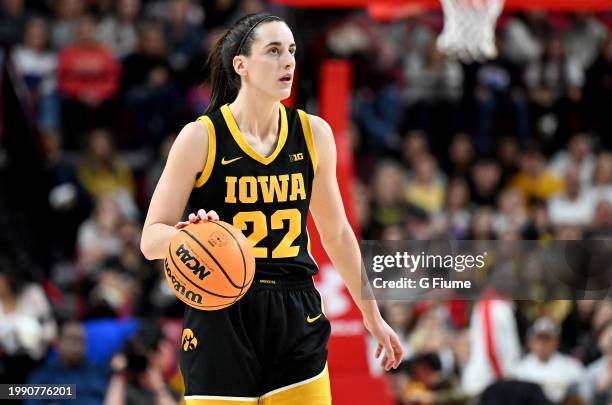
x=340 y=243
x=115 y=394
x=187 y=157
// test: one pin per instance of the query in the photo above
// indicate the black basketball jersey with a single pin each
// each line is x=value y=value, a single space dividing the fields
x=267 y=198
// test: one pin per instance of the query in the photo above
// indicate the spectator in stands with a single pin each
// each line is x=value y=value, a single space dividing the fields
x=524 y=34
x=584 y=37
x=554 y=82
x=461 y=156
x=183 y=37
x=511 y=216
x=601 y=226
x=428 y=383
x=13 y=19
x=70 y=366
x=118 y=31
x=497 y=86
x=481 y=227
x=494 y=346
x=65 y=21
x=128 y=275
x=88 y=81
x=555 y=372
x=434 y=87
x=596 y=387
x=432 y=333
x=68 y=199
x=138 y=371
x=508 y=154
x=150 y=93
x=485 y=181
x=425 y=189
x=103 y=172
x=27 y=326
x=602 y=176
x=37 y=65
x=576 y=205
x=534 y=180
x=454 y=221
x=97 y=237
x=579 y=152
x=151 y=54
x=387 y=205
x=414 y=144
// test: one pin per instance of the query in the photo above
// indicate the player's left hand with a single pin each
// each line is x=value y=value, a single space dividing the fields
x=388 y=341
x=202 y=215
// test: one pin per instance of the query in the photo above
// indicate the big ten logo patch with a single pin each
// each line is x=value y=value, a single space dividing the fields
x=294 y=157
x=188 y=340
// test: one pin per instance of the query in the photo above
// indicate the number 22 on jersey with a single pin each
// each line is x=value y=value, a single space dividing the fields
x=285 y=247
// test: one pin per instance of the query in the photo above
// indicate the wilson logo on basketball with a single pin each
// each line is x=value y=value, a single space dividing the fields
x=189 y=341
x=180 y=288
x=191 y=262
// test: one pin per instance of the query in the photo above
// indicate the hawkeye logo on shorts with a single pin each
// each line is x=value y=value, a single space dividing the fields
x=311 y=320
x=188 y=340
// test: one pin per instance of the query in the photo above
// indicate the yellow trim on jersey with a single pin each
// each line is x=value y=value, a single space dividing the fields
x=218 y=400
x=309 y=138
x=313 y=391
x=245 y=146
x=212 y=149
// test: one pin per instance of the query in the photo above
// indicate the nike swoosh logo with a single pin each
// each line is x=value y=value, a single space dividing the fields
x=311 y=320
x=226 y=162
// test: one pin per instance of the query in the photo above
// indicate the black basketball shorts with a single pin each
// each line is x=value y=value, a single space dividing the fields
x=269 y=344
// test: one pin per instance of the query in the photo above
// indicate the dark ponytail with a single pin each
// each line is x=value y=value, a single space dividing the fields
x=224 y=80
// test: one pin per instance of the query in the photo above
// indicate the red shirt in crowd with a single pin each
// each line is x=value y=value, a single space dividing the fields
x=88 y=73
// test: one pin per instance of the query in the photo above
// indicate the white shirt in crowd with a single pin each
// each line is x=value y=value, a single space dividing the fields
x=494 y=345
x=562 y=161
x=579 y=211
x=555 y=376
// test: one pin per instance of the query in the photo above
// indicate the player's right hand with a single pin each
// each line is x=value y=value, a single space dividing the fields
x=200 y=216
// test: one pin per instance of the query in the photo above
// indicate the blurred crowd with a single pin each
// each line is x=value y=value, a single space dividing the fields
x=515 y=148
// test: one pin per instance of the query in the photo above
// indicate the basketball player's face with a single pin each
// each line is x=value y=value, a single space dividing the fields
x=272 y=61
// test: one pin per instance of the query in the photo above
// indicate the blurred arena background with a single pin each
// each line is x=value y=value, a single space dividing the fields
x=93 y=92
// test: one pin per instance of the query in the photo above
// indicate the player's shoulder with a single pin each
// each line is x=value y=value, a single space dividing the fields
x=195 y=132
x=191 y=144
x=320 y=127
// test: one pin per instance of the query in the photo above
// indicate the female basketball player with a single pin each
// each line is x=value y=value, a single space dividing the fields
x=261 y=166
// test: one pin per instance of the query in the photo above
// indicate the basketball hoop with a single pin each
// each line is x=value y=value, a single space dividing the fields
x=469 y=28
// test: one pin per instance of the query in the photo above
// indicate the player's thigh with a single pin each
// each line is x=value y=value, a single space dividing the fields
x=216 y=359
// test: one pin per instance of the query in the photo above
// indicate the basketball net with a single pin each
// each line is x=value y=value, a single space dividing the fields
x=469 y=28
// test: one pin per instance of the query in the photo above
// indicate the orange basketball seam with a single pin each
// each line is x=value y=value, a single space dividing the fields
x=213 y=258
x=194 y=284
x=243 y=259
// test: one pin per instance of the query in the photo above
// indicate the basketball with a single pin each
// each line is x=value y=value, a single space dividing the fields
x=209 y=265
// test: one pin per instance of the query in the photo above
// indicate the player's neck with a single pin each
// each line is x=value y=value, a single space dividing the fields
x=255 y=116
